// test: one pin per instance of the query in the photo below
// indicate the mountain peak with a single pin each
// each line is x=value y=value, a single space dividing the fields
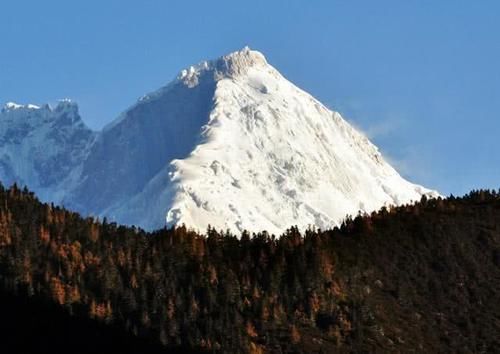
x=239 y=61
x=231 y=143
x=63 y=105
x=230 y=65
x=66 y=105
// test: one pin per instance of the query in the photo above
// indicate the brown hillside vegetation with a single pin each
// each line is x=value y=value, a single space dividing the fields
x=417 y=278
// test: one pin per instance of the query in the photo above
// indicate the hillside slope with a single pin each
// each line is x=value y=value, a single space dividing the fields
x=417 y=278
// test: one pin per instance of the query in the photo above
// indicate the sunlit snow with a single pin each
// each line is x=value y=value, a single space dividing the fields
x=230 y=143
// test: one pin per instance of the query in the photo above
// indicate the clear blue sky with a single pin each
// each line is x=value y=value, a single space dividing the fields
x=421 y=78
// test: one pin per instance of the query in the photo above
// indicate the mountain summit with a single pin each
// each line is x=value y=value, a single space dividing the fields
x=229 y=143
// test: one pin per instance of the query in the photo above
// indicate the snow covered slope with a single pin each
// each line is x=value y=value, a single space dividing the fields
x=272 y=156
x=257 y=153
x=233 y=144
x=42 y=147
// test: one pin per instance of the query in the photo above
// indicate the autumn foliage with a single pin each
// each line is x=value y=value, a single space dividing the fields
x=403 y=279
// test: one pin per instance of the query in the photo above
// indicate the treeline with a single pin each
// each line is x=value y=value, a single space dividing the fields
x=411 y=278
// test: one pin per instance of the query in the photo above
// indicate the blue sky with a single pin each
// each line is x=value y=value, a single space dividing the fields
x=421 y=78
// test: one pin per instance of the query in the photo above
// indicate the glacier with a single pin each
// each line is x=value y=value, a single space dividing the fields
x=229 y=143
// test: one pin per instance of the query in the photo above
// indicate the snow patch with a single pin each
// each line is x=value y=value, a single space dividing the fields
x=15 y=106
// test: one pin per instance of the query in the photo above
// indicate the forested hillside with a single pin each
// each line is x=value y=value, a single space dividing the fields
x=416 y=278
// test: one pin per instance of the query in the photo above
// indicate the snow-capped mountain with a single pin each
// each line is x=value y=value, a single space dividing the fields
x=42 y=147
x=229 y=142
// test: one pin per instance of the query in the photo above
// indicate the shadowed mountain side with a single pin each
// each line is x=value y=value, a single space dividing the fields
x=146 y=138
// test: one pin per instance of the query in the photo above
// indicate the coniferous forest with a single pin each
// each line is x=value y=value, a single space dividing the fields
x=415 y=278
